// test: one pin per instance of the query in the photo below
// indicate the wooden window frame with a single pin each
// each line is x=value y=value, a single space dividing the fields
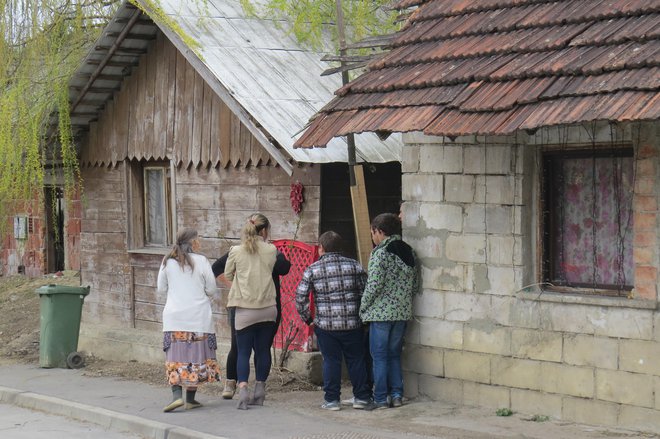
x=548 y=199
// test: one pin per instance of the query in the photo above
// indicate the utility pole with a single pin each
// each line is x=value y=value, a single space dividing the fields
x=356 y=173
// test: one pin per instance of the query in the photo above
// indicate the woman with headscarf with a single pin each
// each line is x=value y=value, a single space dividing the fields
x=188 y=330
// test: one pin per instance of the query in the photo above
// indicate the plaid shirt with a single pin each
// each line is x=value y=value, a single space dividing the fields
x=336 y=283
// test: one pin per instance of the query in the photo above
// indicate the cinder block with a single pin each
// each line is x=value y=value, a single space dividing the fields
x=515 y=372
x=423 y=360
x=422 y=187
x=466 y=248
x=427 y=246
x=410 y=158
x=475 y=160
x=499 y=219
x=459 y=188
x=467 y=366
x=441 y=159
x=638 y=418
x=625 y=388
x=567 y=380
x=474 y=220
x=484 y=395
x=430 y=303
x=485 y=337
x=589 y=411
x=442 y=216
x=504 y=280
x=444 y=278
x=495 y=189
x=410 y=384
x=619 y=323
x=441 y=389
x=462 y=307
x=536 y=344
x=639 y=356
x=440 y=333
x=587 y=350
x=412 y=332
x=536 y=403
x=501 y=250
x=488 y=159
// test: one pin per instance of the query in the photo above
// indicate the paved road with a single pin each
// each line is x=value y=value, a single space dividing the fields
x=20 y=423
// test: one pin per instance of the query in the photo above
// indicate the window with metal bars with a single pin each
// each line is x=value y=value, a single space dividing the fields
x=587 y=231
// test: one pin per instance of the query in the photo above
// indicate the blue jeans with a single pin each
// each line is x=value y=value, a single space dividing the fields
x=257 y=337
x=350 y=345
x=385 y=343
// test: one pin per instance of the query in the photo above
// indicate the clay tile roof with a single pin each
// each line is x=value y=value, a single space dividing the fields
x=497 y=66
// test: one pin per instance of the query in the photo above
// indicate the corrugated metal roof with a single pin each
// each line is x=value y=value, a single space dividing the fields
x=255 y=61
x=497 y=66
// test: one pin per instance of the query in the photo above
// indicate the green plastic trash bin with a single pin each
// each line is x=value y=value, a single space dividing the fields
x=61 y=308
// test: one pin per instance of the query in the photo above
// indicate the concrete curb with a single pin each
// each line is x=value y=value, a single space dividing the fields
x=105 y=418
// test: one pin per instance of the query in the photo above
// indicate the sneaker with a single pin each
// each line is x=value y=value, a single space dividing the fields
x=381 y=405
x=348 y=402
x=362 y=404
x=193 y=405
x=331 y=405
x=397 y=401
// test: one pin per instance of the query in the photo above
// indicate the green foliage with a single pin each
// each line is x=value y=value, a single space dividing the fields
x=309 y=19
x=504 y=412
x=539 y=418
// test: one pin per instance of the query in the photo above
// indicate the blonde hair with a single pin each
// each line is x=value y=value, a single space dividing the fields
x=182 y=248
x=253 y=226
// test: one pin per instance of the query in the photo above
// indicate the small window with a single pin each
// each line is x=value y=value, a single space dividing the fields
x=150 y=207
x=157 y=212
x=587 y=220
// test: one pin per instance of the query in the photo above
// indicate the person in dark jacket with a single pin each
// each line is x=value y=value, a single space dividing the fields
x=386 y=305
x=281 y=268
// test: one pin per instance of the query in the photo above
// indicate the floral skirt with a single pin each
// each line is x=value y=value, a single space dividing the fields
x=190 y=358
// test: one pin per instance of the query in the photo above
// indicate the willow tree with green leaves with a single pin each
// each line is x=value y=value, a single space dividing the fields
x=309 y=20
x=42 y=42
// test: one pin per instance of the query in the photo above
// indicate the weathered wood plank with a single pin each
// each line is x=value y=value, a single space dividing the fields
x=206 y=125
x=103 y=262
x=121 y=121
x=149 y=295
x=103 y=243
x=187 y=120
x=225 y=134
x=170 y=54
x=198 y=121
x=212 y=197
x=149 y=101
x=235 y=153
x=246 y=146
x=104 y=225
x=276 y=198
x=140 y=102
x=145 y=276
x=214 y=135
x=148 y=311
x=180 y=133
x=103 y=283
x=161 y=95
x=133 y=112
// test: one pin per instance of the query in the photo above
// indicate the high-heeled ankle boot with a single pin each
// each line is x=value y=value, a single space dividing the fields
x=259 y=393
x=243 y=398
x=229 y=390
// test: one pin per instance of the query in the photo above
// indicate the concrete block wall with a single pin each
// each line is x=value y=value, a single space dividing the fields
x=483 y=336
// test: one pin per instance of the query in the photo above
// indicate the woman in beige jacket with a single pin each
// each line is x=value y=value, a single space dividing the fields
x=249 y=268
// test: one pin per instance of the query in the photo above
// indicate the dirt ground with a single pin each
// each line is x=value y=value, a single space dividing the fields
x=19 y=338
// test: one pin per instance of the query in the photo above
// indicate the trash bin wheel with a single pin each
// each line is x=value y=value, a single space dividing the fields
x=75 y=360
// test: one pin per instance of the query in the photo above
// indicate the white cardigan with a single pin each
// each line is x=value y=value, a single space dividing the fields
x=188 y=306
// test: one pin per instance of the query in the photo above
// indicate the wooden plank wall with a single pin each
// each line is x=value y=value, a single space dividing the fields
x=166 y=110
x=104 y=262
x=216 y=202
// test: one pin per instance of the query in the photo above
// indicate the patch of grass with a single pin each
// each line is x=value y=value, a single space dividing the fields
x=504 y=412
x=539 y=418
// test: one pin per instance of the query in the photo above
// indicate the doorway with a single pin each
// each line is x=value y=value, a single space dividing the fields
x=54 y=208
x=383 y=186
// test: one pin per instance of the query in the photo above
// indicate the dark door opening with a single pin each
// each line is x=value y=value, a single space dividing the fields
x=54 y=207
x=383 y=185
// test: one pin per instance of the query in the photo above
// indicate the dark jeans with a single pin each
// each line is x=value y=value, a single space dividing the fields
x=257 y=338
x=232 y=356
x=334 y=346
x=386 y=342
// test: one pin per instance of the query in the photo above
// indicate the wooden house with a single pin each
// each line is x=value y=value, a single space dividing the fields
x=531 y=187
x=195 y=128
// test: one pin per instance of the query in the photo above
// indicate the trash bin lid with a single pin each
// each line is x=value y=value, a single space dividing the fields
x=62 y=289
